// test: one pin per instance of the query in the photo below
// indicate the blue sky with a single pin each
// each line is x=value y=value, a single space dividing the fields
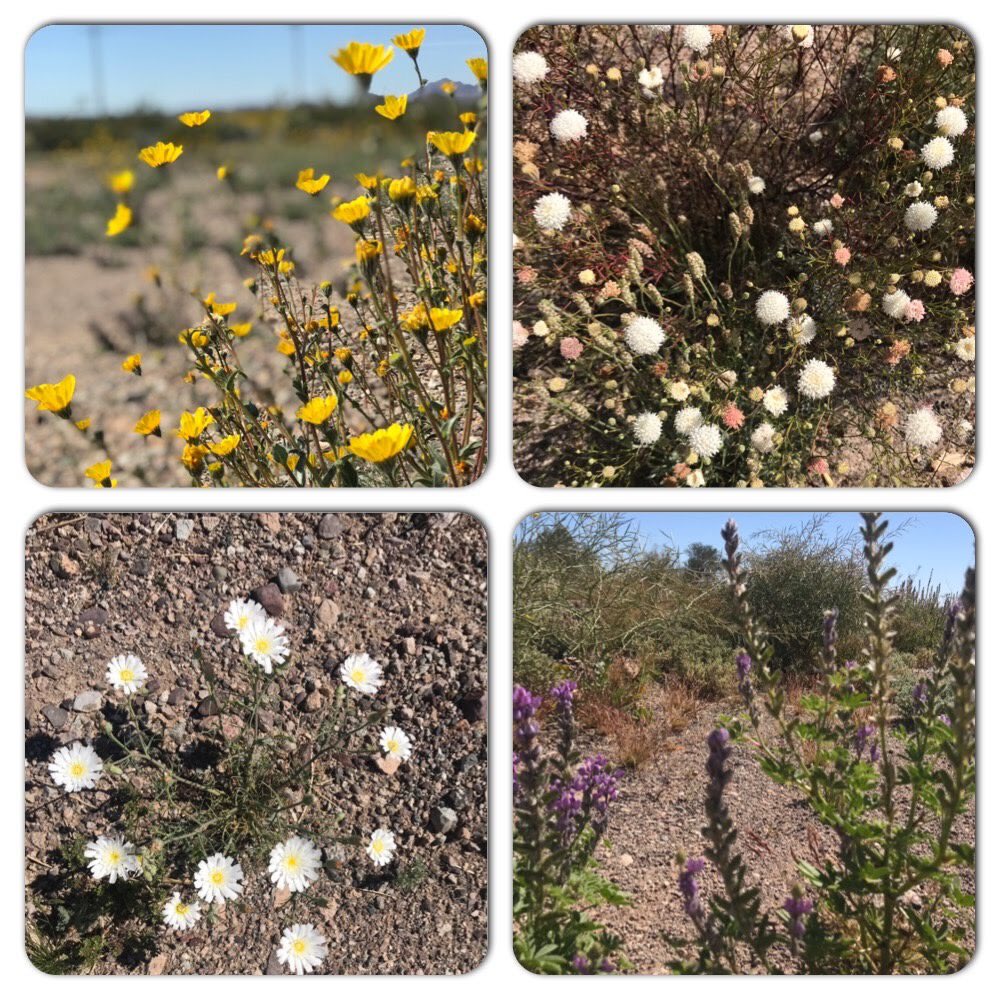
x=930 y=545
x=173 y=68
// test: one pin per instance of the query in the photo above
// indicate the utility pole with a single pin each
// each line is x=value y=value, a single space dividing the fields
x=96 y=70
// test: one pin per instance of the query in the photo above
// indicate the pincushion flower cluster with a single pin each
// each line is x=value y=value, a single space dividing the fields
x=806 y=287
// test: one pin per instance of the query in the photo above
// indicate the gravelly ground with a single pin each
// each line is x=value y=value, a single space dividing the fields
x=410 y=589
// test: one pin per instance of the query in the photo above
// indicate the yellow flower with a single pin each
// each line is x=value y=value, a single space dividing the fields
x=317 y=411
x=392 y=107
x=448 y=87
x=193 y=425
x=477 y=299
x=425 y=193
x=121 y=182
x=479 y=69
x=120 y=221
x=268 y=258
x=368 y=181
x=411 y=41
x=149 y=423
x=54 y=398
x=218 y=308
x=367 y=250
x=342 y=354
x=161 y=153
x=133 y=363
x=474 y=226
x=383 y=444
x=192 y=456
x=310 y=183
x=345 y=377
x=226 y=445
x=101 y=474
x=352 y=212
x=444 y=319
x=416 y=319
x=222 y=171
x=82 y=425
x=451 y=143
x=468 y=118
x=194 y=118
x=240 y=329
x=361 y=59
x=285 y=345
x=402 y=190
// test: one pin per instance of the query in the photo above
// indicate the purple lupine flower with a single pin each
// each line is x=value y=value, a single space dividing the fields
x=526 y=729
x=608 y=966
x=743 y=666
x=873 y=753
x=798 y=908
x=581 y=965
x=566 y=805
x=920 y=694
x=718 y=753
x=830 y=629
x=688 y=884
x=563 y=693
x=861 y=738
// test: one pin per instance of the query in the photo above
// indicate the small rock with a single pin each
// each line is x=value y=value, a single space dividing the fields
x=95 y=616
x=388 y=765
x=157 y=964
x=207 y=706
x=281 y=896
x=88 y=701
x=219 y=626
x=330 y=526
x=269 y=598
x=312 y=703
x=56 y=715
x=625 y=860
x=271 y=521
x=443 y=819
x=63 y=566
x=183 y=528
x=288 y=581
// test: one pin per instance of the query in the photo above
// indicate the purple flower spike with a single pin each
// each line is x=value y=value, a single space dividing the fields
x=743 y=666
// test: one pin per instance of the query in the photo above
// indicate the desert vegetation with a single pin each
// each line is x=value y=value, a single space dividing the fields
x=744 y=255
x=703 y=783
x=307 y=288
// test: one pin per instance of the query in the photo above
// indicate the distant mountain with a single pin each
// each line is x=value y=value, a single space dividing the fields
x=465 y=93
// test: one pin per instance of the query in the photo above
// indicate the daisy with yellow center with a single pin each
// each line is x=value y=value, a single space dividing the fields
x=381 y=847
x=240 y=614
x=295 y=864
x=360 y=672
x=126 y=673
x=112 y=858
x=180 y=916
x=395 y=743
x=302 y=948
x=219 y=878
x=265 y=643
x=76 y=767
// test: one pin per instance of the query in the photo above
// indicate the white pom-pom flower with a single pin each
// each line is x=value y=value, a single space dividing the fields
x=922 y=428
x=706 y=440
x=772 y=308
x=775 y=401
x=529 y=68
x=938 y=153
x=762 y=438
x=381 y=847
x=126 y=673
x=179 y=915
x=112 y=858
x=894 y=303
x=823 y=227
x=756 y=185
x=295 y=864
x=568 y=126
x=361 y=672
x=697 y=37
x=965 y=349
x=816 y=380
x=951 y=121
x=920 y=216
x=76 y=767
x=652 y=78
x=688 y=419
x=914 y=189
x=646 y=428
x=802 y=328
x=552 y=211
x=302 y=948
x=218 y=878
x=644 y=335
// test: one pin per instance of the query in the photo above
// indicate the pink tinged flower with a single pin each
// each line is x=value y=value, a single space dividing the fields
x=819 y=467
x=961 y=281
x=842 y=256
x=527 y=276
x=837 y=200
x=944 y=57
x=520 y=334
x=914 y=311
x=732 y=417
x=570 y=348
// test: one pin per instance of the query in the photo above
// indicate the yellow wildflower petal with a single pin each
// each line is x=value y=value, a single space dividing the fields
x=148 y=423
x=194 y=118
x=411 y=41
x=160 y=154
x=310 y=183
x=53 y=397
x=133 y=363
x=120 y=221
x=226 y=445
x=382 y=444
x=317 y=411
x=392 y=107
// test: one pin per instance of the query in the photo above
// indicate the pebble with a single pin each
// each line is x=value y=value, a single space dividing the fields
x=268 y=596
x=288 y=581
x=56 y=715
x=88 y=701
x=328 y=613
x=443 y=819
x=183 y=528
x=330 y=526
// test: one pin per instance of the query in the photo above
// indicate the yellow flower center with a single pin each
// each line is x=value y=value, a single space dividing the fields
x=127 y=676
x=242 y=622
x=298 y=946
x=378 y=846
x=77 y=769
x=291 y=861
x=181 y=909
x=114 y=857
x=357 y=675
x=217 y=878
x=393 y=746
x=263 y=644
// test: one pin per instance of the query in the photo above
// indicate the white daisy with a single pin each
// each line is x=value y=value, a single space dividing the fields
x=763 y=438
x=966 y=348
x=816 y=380
x=651 y=79
x=552 y=211
x=802 y=328
x=894 y=303
x=688 y=419
x=265 y=643
x=922 y=428
x=644 y=335
x=920 y=216
x=381 y=847
x=126 y=673
x=951 y=121
x=938 y=153
x=706 y=440
x=180 y=916
x=756 y=185
x=395 y=743
x=775 y=401
x=647 y=428
x=362 y=673
x=529 y=68
x=240 y=614
x=568 y=126
x=111 y=857
x=302 y=948
x=697 y=37
x=772 y=308
x=218 y=878
x=295 y=864
x=76 y=767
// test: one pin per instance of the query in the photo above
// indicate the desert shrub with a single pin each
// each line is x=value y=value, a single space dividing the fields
x=921 y=612
x=187 y=823
x=560 y=814
x=891 y=900
x=743 y=254
x=384 y=377
x=700 y=660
